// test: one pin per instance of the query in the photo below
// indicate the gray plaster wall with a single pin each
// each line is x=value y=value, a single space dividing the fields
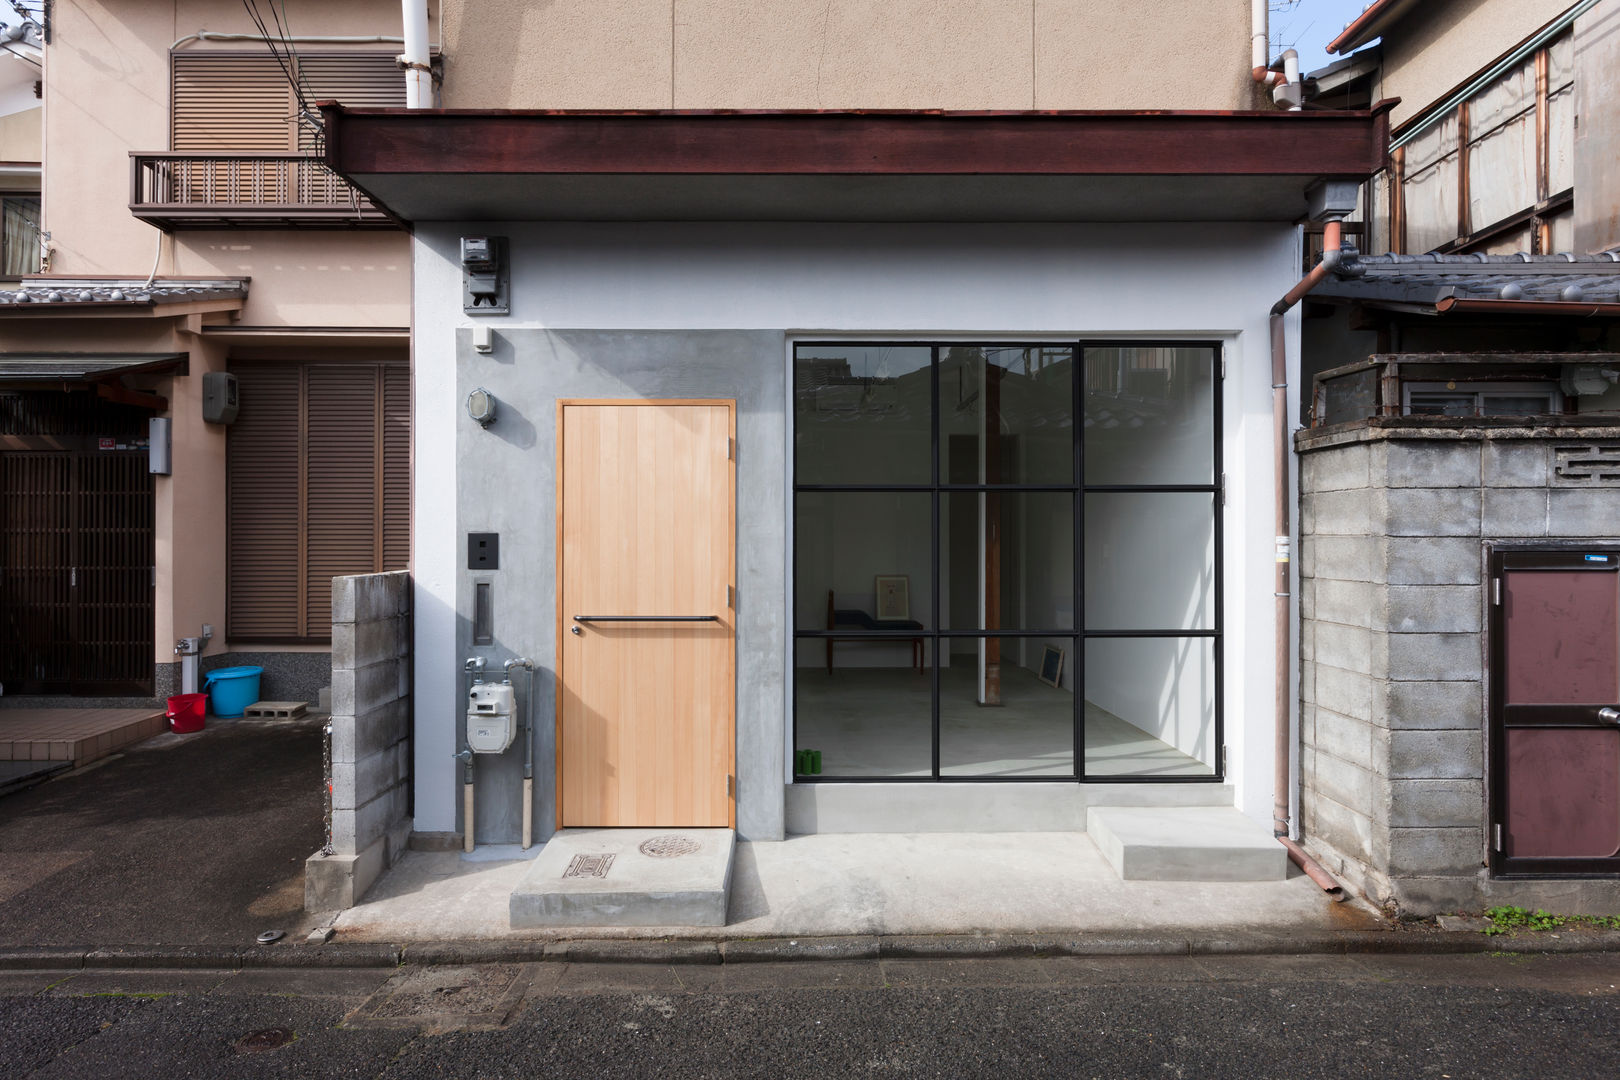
x=1396 y=530
x=507 y=485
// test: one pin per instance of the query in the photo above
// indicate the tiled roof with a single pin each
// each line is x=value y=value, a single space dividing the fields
x=105 y=291
x=1438 y=280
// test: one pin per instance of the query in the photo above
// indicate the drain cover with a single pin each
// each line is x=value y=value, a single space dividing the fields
x=669 y=847
x=588 y=866
x=268 y=1039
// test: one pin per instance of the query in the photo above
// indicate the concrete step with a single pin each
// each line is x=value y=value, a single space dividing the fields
x=1191 y=843
x=627 y=877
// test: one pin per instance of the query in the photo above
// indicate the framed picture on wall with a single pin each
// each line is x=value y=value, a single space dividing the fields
x=1051 y=672
x=893 y=596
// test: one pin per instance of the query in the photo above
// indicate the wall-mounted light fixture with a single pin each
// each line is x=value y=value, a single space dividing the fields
x=481 y=407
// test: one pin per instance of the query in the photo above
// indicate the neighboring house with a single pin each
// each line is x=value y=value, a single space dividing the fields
x=860 y=413
x=20 y=115
x=1460 y=600
x=191 y=229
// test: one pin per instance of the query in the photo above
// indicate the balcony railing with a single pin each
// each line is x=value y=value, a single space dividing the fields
x=246 y=191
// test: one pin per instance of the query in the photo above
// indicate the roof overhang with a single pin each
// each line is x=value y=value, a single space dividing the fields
x=449 y=165
x=1371 y=23
x=77 y=367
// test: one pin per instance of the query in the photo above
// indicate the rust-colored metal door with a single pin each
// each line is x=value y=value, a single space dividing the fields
x=1555 y=713
x=76 y=557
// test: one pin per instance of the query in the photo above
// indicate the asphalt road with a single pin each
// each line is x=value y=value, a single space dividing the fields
x=1443 y=1017
x=182 y=840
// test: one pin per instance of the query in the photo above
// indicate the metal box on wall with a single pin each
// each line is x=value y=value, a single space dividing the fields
x=219 y=400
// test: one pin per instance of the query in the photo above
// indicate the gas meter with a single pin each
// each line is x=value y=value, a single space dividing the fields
x=489 y=717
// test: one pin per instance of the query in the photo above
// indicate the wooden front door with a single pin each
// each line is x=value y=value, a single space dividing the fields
x=1555 y=713
x=646 y=670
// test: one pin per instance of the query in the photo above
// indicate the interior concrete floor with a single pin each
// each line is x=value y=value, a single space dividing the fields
x=871 y=722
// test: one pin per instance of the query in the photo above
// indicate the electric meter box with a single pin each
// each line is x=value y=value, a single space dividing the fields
x=489 y=717
x=219 y=397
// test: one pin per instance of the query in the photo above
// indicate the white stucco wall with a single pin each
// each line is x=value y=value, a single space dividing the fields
x=1211 y=281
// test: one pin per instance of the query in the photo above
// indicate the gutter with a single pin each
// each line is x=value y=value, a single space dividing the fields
x=1462 y=306
x=1287 y=88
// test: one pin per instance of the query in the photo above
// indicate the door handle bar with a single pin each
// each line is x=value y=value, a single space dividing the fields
x=1609 y=715
x=646 y=618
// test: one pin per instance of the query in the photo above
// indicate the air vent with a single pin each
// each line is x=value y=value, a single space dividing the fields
x=1586 y=466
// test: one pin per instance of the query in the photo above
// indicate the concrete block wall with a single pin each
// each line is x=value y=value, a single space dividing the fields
x=370 y=738
x=1395 y=526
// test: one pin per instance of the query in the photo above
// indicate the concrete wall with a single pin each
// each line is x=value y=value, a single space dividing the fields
x=627 y=310
x=1438 y=46
x=894 y=54
x=370 y=738
x=1597 y=135
x=1393 y=732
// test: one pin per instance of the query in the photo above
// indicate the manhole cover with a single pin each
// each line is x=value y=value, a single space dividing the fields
x=588 y=866
x=669 y=847
x=268 y=1039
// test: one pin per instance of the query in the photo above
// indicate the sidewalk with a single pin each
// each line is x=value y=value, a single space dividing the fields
x=873 y=884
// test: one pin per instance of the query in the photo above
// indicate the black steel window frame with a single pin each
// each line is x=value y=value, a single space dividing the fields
x=1079 y=489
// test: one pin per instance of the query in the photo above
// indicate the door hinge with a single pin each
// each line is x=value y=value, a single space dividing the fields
x=1223 y=367
x=1223 y=761
x=731 y=449
x=1496 y=839
x=731 y=786
x=154 y=577
x=1496 y=592
x=73 y=577
x=1223 y=489
x=731 y=596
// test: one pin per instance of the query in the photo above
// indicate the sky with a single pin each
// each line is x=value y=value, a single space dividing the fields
x=1308 y=25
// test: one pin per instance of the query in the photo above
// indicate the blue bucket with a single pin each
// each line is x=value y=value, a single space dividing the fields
x=232 y=689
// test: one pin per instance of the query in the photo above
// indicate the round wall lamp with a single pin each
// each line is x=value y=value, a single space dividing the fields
x=481 y=407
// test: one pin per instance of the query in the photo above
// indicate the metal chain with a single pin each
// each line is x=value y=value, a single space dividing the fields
x=326 y=767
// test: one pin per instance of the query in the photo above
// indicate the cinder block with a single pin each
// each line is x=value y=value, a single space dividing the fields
x=1436 y=658
x=1307 y=639
x=1436 y=803
x=1583 y=511
x=1353 y=603
x=357 y=645
x=1347 y=693
x=356 y=737
x=1412 y=706
x=1435 y=609
x=1431 y=464
x=1435 y=852
x=1307 y=681
x=337 y=882
x=1431 y=511
x=1343 y=558
x=356 y=783
x=1343 y=781
x=1514 y=464
x=1334 y=469
x=1353 y=648
x=1435 y=755
x=365 y=597
x=1351 y=831
x=1515 y=512
x=354 y=830
x=1341 y=513
x=1433 y=561
x=359 y=690
x=1343 y=738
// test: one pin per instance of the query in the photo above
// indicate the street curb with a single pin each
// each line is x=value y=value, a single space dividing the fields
x=792 y=950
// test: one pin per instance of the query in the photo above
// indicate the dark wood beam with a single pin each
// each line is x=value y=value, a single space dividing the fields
x=453 y=142
x=125 y=396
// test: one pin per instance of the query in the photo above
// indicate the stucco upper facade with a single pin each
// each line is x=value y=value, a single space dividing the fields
x=1440 y=45
x=107 y=93
x=848 y=54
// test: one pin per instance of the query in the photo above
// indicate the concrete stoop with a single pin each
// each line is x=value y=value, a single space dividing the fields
x=1185 y=843
x=627 y=877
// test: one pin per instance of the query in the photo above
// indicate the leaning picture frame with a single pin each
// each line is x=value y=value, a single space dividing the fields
x=1051 y=672
x=891 y=596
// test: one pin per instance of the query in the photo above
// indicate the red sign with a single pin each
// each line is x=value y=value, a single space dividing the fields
x=108 y=444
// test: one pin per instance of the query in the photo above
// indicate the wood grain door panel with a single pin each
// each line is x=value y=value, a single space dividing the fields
x=645 y=709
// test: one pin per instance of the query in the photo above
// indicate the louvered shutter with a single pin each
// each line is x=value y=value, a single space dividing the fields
x=358 y=80
x=230 y=101
x=396 y=468
x=343 y=497
x=263 y=463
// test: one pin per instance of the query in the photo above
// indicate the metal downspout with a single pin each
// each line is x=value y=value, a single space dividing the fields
x=1332 y=241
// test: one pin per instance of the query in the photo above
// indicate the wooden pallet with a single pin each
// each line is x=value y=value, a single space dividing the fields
x=276 y=710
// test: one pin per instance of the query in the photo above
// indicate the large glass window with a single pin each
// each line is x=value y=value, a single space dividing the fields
x=1006 y=561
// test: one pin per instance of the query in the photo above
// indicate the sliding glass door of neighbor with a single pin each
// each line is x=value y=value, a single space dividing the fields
x=1006 y=561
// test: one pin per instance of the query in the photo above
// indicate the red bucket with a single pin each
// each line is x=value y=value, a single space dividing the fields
x=186 y=712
